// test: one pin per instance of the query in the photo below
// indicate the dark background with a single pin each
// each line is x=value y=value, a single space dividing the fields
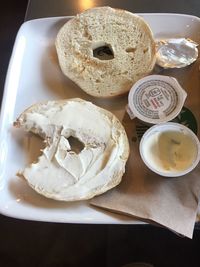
x=25 y=243
x=50 y=8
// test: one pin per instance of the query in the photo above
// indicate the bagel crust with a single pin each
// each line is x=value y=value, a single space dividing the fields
x=127 y=37
x=63 y=174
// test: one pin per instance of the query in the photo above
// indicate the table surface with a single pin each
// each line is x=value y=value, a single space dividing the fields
x=25 y=243
x=49 y=8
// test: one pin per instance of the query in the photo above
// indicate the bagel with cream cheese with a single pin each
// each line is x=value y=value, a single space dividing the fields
x=62 y=173
x=105 y=50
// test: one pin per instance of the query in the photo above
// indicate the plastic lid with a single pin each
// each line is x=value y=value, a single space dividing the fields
x=156 y=99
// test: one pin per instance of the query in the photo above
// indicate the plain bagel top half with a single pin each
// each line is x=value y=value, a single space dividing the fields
x=105 y=50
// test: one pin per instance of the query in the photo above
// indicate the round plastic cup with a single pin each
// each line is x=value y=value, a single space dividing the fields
x=170 y=149
x=156 y=99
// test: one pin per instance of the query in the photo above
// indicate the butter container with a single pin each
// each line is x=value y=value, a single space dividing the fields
x=170 y=149
x=156 y=99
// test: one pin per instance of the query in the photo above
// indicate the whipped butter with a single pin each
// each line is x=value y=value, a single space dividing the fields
x=63 y=174
x=170 y=149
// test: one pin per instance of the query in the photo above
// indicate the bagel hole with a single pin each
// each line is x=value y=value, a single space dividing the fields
x=76 y=145
x=103 y=52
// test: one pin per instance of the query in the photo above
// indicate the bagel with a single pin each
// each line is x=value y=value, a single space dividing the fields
x=105 y=50
x=63 y=174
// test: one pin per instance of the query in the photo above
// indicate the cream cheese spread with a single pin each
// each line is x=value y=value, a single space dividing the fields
x=63 y=174
x=170 y=150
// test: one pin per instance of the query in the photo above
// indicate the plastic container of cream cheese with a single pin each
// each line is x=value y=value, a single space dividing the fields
x=170 y=149
x=156 y=99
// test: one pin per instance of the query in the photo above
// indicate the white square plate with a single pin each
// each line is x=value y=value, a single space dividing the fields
x=33 y=76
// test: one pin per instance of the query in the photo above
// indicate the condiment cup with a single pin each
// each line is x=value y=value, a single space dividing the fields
x=170 y=149
x=156 y=99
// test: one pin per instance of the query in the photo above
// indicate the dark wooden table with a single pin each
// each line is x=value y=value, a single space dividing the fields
x=26 y=243
x=48 y=8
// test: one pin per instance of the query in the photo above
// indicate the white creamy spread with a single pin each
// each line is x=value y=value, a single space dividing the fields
x=170 y=151
x=62 y=174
